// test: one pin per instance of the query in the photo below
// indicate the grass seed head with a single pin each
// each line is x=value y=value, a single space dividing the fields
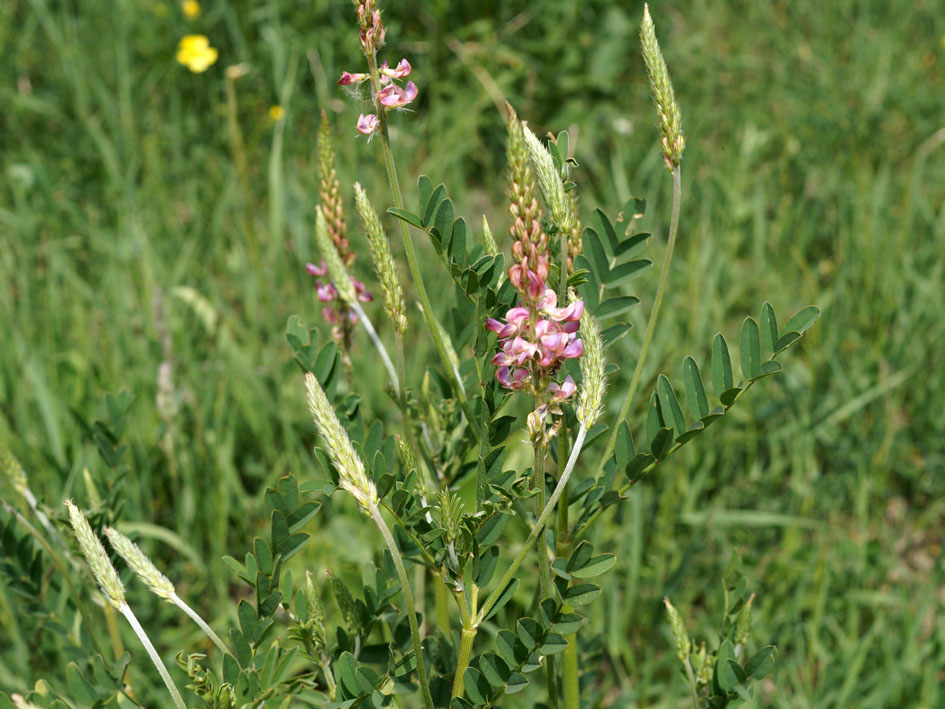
x=94 y=553
x=679 y=631
x=661 y=88
x=590 y=400
x=336 y=267
x=143 y=567
x=383 y=261
x=342 y=454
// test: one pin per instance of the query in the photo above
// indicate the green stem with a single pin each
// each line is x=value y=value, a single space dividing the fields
x=126 y=611
x=544 y=573
x=651 y=323
x=208 y=631
x=409 y=249
x=408 y=601
x=692 y=684
x=569 y=658
x=538 y=527
x=462 y=662
x=381 y=350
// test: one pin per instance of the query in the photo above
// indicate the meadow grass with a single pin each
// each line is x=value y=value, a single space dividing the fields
x=130 y=235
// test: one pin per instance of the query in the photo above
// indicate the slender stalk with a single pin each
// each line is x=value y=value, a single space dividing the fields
x=408 y=601
x=329 y=679
x=692 y=684
x=375 y=338
x=651 y=323
x=569 y=658
x=152 y=653
x=538 y=527
x=208 y=631
x=544 y=573
x=397 y=194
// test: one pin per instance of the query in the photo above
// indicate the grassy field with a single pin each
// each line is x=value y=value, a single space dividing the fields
x=149 y=215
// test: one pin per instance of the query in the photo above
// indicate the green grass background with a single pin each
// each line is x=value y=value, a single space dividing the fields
x=814 y=173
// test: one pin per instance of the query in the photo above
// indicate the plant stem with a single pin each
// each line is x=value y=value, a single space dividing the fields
x=408 y=601
x=425 y=305
x=465 y=652
x=651 y=323
x=126 y=611
x=539 y=525
x=544 y=573
x=375 y=338
x=208 y=631
x=569 y=658
x=692 y=684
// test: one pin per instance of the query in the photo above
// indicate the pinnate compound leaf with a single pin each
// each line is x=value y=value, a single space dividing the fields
x=407 y=216
x=802 y=321
x=724 y=673
x=670 y=404
x=769 y=328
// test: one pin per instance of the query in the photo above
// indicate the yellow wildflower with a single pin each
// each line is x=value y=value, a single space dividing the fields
x=195 y=52
x=191 y=9
x=276 y=113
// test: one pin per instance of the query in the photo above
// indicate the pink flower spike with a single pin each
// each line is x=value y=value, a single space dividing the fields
x=535 y=286
x=403 y=69
x=329 y=314
x=347 y=79
x=368 y=124
x=316 y=270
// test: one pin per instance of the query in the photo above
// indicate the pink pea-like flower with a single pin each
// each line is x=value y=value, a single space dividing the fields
x=392 y=96
x=368 y=124
x=326 y=292
x=402 y=69
x=347 y=78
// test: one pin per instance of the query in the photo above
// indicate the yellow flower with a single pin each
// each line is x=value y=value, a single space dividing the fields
x=191 y=9
x=195 y=52
x=276 y=113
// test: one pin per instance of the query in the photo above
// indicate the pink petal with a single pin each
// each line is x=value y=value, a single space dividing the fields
x=410 y=92
x=316 y=270
x=573 y=350
x=367 y=124
x=562 y=391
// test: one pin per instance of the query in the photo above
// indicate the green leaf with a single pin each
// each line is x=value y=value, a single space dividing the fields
x=670 y=404
x=695 y=391
x=457 y=249
x=615 y=306
x=595 y=566
x=582 y=594
x=729 y=395
x=477 y=688
x=629 y=245
x=491 y=529
x=438 y=195
x=511 y=648
x=79 y=687
x=726 y=677
x=407 y=216
x=802 y=320
x=568 y=623
x=721 y=365
x=767 y=369
x=580 y=556
x=346 y=670
x=661 y=443
x=516 y=683
x=605 y=229
x=750 y=349
x=529 y=632
x=626 y=272
x=769 y=328
x=494 y=669
x=425 y=190
x=623 y=446
x=654 y=417
x=552 y=644
x=761 y=663
x=596 y=255
x=444 y=219
x=614 y=333
x=504 y=598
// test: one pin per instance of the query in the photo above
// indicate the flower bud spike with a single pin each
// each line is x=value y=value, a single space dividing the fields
x=591 y=398
x=661 y=88
x=105 y=575
x=143 y=567
x=552 y=188
x=383 y=260
x=679 y=631
x=353 y=479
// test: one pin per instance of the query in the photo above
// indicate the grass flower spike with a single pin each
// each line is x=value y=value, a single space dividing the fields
x=338 y=446
x=195 y=53
x=591 y=398
x=552 y=188
x=383 y=260
x=667 y=110
x=94 y=552
x=143 y=567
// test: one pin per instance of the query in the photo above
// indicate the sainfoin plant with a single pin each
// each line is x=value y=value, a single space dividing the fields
x=486 y=481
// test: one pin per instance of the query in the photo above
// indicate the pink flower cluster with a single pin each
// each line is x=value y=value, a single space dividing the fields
x=392 y=95
x=327 y=293
x=533 y=346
